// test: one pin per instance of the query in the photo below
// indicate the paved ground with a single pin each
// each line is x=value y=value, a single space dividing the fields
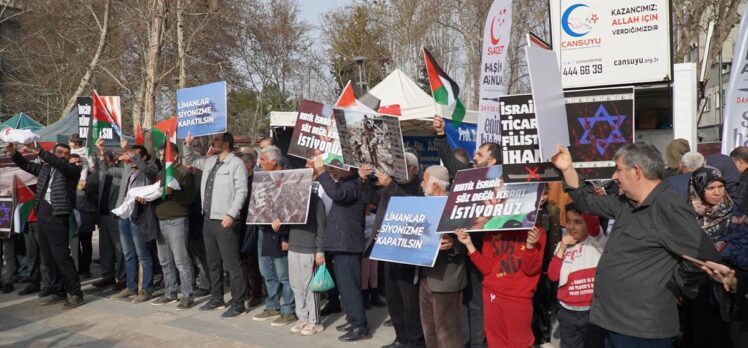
x=103 y=322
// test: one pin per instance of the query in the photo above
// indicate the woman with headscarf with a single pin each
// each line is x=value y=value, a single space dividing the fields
x=709 y=199
x=730 y=174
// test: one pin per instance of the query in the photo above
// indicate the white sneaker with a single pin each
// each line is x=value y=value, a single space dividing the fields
x=298 y=327
x=312 y=329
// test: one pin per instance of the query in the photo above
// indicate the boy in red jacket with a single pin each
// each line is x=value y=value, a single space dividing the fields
x=510 y=262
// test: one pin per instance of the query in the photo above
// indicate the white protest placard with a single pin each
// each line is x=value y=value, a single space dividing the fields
x=548 y=96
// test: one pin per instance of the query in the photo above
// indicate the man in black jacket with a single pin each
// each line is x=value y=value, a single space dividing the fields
x=344 y=242
x=54 y=202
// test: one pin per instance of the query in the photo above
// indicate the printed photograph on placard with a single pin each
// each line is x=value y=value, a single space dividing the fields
x=480 y=200
x=316 y=134
x=408 y=232
x=281 y=194
x=601 y=121
x=520 y=151
x=372 y=139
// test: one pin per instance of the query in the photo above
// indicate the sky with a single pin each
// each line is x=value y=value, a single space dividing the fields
x=313 y=10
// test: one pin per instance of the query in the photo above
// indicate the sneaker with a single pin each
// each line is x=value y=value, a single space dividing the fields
x=125 y=293
x=213 y=304
x=163 y=300
x=265 y=315
x=312 y=329
x=186 y=303
x=142 y=297
x=284 y=319
x=233 y=312
x=53 y=299
x=73 y=301
x=296 y=328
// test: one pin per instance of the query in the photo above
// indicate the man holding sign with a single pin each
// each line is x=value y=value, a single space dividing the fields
x=641 y=264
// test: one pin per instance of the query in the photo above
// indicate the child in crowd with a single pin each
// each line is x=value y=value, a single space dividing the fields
x=573 y=267
x=510 y=262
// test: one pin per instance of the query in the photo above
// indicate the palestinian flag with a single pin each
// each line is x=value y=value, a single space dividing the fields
x=444 y=89
x=23 y=205
x=101 y=118
x=161 y=129
x=168 y=166
x=348 y=100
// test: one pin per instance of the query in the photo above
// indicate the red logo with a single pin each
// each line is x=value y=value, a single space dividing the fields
x=500 y=18
x=532 y=173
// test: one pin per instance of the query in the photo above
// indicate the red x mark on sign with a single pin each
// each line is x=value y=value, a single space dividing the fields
x=532 y=173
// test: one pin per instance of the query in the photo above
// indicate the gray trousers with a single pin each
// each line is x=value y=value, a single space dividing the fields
x=171 y=243
x=300 y=273
x=8 y=259
x=37 y=270
x=110 y=249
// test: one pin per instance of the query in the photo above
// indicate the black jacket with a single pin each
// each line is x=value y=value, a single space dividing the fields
x=345 y=222
x=66 y=177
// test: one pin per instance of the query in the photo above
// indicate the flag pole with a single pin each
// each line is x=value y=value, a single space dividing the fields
x=436 y=107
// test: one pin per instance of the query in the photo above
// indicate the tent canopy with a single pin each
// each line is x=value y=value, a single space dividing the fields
x=21 y=121
x=417 y=107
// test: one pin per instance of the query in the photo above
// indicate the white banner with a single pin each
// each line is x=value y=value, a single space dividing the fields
x=496 y=36
x=735 y=128
x=612 y=42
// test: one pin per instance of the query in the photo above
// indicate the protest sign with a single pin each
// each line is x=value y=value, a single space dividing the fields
x=465 y=136
x=614 y=42
x=201 y=110
x=600 y=121
x=734 y=130
x=424 y=148
x=281 y=194
x=84 y=115
x=408 y=232
x=372 y=139
x=520 y=151
x=316 y=134
x=6 y=216
x=496 y=37
x=548 y=97
x=84 y=106
x=481 y=201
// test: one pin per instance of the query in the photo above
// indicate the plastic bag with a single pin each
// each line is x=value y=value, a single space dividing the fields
x=322 y=281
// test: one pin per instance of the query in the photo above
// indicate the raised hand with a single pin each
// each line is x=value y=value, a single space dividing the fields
x=533 y=236
x=438 y=124
x=562 y=159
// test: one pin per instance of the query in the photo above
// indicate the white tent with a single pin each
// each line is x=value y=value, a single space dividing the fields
x=416 y=106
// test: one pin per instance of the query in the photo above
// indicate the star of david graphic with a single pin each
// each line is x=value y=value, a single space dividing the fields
x=602 y=115
x=4 y=214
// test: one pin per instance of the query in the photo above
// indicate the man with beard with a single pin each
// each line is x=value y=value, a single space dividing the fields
x=486 y=155
x=54 y=202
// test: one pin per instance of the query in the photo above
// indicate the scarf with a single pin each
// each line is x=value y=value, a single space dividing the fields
x=714 y=219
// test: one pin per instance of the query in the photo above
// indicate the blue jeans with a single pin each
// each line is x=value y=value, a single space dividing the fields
x=133 y=243
x=172 y=254
x=275 y=272
x=616 y=340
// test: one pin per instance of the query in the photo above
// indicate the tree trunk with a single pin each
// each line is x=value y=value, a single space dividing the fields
x=180 y=45
x=151 y=70
x=94 y=62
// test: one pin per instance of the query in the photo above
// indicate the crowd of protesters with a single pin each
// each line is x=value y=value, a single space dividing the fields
x=656 y=257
